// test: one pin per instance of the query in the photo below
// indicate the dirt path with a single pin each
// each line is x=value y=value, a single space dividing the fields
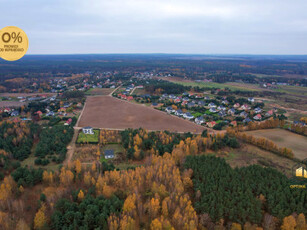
x=72 y=146
x=133 y=90
x=289 y=109
x=114 y=90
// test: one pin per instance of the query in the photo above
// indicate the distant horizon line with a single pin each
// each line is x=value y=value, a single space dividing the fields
x=197 y=54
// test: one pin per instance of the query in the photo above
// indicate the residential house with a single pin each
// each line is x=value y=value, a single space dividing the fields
x=177 y=100
x=191 y=104
x=212 y=105
x=300 y=123
x=269 y=113
x=245 y=107
x=237 y=105
x=39 y=113
x=7 y=110
x=251 y=99
x=188 y=116
x=233 y=123
x=213 y=110
x=221 y=108
x=247 y=120
x=201 y=103
x=109 y=154
x=68 y=122
x=62 y=109
x=169 y=109
x=231 y=111
x=88 y=130
x=179 y=112
x=15 y=113
x=199 y=120
x=66 y=104
x=50 y=114
x=129 y=98
x=184 y=103
x=211 y=124
x=222 y=113
x=243 y=114
x=225 y=102
x=257 y=117
x=257 y=110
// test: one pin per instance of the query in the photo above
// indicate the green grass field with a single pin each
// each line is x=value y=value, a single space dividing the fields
x=117 y=148
x=88 y=138
x=213 y=85
x=30 y=162
x=294 y=90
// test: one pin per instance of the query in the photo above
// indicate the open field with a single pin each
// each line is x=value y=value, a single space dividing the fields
x=112 y=113
x=25 y=94
x=139 y=92
x=246 y=86
x=293 y=90
x=207 y=84
x=284 y=138
x=249 y=155
x=117 y=148
x=11 y=103
x=99 y=91
x=30 y=162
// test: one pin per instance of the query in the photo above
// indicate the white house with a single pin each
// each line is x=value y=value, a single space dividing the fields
x=199 y=120
x=188 y=116
x=251 y=99
x=212 y=105
x=88 y=130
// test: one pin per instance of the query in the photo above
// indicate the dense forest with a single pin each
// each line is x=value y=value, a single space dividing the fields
x=17 y=138
x=243 y=194
x=182 y=188
x=53 y=141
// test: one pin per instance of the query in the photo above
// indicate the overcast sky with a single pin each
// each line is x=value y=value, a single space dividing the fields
x=160 y=26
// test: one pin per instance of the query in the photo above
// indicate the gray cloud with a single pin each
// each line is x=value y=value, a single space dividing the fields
x=167 y=26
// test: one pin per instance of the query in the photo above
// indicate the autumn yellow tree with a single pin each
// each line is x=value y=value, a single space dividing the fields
x=22 y=225
x=156 y=225
x=235 y=226
x=78 y=166
x=40 y=218
x=80 y=195
x=301 y=222
x=289 y=223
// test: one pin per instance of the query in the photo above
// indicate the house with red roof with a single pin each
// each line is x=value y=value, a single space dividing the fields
x=39 y=113
x=211 y=124
x=68 y=122
x=257 y=117
x=269 y=113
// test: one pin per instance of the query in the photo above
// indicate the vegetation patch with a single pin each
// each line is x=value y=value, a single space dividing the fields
x=88 y=138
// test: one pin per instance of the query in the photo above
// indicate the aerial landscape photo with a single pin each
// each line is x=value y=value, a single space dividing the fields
x=159 y=115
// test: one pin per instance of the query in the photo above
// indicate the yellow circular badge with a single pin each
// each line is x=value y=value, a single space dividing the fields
x=14 y=43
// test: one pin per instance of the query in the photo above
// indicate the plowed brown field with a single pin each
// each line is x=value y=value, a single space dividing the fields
x=112 y=113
